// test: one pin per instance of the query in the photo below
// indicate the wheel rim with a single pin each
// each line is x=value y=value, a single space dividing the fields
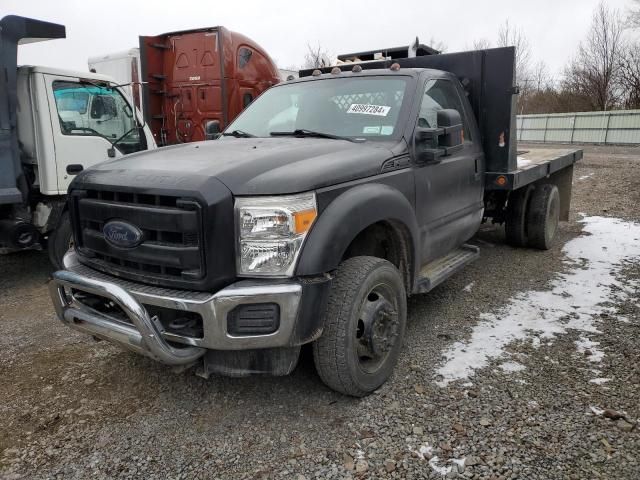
x=377 y=328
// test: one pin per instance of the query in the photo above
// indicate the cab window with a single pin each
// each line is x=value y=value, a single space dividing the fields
x=441 y=94
x=90 y=110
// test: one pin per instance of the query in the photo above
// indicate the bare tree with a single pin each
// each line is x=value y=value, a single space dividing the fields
x=481 y=44
x=316 y=57
x=630 y=76
x=540 y=78
x=508 y=36
x=594 y=72
x=633 y=15
x=437 y=45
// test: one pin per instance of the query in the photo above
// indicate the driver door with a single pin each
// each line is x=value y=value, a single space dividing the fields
x=449 y=203
x=85 y=120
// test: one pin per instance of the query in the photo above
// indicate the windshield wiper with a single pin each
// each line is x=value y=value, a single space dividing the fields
x=238 y=134
x=303 y=132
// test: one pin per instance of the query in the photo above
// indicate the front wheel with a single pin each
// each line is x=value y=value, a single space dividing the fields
x=363 y=328
x=60 y=241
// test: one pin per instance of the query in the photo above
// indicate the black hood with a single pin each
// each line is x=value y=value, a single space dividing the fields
x=250 y=166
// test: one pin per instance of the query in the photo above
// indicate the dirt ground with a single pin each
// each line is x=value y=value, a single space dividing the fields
x=551 y=387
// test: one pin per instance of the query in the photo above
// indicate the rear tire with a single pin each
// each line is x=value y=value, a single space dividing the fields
x=60 y=241
x=516 y=222
x=363 y=327
x=543 y=216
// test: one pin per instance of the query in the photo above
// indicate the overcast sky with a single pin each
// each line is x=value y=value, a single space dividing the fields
x=554 y=27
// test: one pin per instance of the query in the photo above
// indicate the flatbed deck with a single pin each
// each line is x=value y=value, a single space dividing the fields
x=532 y=165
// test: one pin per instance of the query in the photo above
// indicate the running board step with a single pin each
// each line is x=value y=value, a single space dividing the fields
x=439 y=270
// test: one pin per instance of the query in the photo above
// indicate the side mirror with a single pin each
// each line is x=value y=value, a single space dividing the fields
x=445 y=139
x=212 y=130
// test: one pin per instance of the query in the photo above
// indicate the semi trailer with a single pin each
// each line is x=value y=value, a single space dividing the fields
x=53 y=124
x=191 y=83
x=322 y=207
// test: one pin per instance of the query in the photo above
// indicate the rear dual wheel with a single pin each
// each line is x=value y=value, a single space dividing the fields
x=533 y=214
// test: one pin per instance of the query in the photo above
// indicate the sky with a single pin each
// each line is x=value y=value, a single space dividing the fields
x=554 y=28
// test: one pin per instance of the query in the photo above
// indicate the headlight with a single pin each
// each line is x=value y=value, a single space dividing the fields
x=271 y=231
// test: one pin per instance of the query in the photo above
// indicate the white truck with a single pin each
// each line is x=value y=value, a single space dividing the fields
x=124 y=67
x=53 y=124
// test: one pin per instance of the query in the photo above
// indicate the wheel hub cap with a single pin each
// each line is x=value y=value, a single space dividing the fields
x=377 y=328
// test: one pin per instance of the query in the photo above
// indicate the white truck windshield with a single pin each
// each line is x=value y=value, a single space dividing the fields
x=85 y=109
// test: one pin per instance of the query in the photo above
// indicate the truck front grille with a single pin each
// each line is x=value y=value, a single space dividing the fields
x=172 y=238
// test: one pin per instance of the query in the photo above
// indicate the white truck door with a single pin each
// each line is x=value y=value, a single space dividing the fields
x=86 y=119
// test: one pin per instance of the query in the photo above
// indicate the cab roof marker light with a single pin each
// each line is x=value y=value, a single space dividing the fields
x=395 y=67
x=356 y=69
x=316 y=73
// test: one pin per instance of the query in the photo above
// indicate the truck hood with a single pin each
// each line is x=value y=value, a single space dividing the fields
x=252 y=166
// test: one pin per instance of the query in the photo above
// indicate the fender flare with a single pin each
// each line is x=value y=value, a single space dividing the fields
x=346 y=216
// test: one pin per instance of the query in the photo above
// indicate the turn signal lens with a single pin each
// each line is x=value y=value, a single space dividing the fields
x=304 y=220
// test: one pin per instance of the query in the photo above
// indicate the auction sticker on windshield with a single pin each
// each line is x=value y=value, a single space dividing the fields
x=380 y=110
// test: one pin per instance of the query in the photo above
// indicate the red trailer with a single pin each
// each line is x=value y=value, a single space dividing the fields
x=198 y=78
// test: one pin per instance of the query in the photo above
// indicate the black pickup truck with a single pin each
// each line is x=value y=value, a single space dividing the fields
x=325 y=204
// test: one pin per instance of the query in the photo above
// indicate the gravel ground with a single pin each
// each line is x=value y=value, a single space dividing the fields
x=72 y=408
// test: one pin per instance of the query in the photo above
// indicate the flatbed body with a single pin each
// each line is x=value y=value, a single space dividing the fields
x=532 y=165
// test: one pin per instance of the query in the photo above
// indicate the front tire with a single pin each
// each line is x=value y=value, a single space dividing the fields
x=363 y=328
x=60 y=241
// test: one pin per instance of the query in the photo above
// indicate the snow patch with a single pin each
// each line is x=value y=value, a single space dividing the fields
x=584 y=177
x=599 y=381
x=523 y=162
x=584 y=344
x=425 y=450
x=459 y=461
x=511 y=367
x=442 y=470
x=469 y=287
x=575 y=300
x=596 y=411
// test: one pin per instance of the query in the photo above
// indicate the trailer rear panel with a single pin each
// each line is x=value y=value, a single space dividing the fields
x=199 y=76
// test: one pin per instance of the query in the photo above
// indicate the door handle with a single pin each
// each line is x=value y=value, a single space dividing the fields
x=74 y=168
x=478 y=173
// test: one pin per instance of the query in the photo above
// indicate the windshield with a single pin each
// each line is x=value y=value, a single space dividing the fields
x=92 y=110
x=366 y=107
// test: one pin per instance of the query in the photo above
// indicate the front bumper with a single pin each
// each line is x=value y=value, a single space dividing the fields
x=137 y=330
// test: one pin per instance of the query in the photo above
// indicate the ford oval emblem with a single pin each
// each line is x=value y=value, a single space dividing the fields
x=122 y=234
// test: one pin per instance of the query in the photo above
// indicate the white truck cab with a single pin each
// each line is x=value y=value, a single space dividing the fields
x=72 y=119
x=53 y=124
